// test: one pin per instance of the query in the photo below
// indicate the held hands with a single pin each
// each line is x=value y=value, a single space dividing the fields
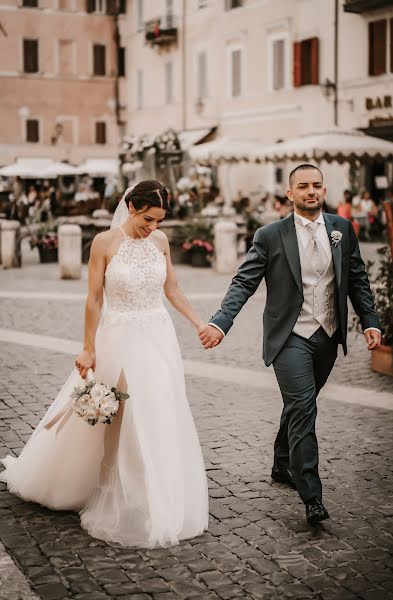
x=84 y=361
x=210 y=336
x=373 y=338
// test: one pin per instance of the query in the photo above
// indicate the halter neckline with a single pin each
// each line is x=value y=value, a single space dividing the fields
x=129 y=237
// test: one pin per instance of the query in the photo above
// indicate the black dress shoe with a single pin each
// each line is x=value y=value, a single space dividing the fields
x=283 y=476
x=315 y=512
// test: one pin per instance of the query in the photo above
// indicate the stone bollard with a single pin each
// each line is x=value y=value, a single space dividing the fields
x=225 y=243
x=10 y=244
x=70 y=251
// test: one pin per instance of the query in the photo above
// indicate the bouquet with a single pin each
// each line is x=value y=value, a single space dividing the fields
x=96 y=403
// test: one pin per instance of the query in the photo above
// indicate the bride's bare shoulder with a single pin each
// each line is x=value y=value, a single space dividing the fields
x=103 y=241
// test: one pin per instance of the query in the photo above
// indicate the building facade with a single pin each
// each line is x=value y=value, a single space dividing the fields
x=262 y=70
x=62 y=78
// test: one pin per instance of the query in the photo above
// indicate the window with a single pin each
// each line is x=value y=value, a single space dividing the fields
x=306 y=62
x=100 y=132
x=96 y=6
x=30 y=56
x=203 y=3
x=202 y=74
x=30 y=3
x=278 y=66
x=139 y=14
x=121 y=62
x=32 y=131
x=230 y=4
x=99 y=59
x=139 y=89
x=169 y=82
x=66 y=58
x=379 y=43
x=122 y=7
x=235 y=72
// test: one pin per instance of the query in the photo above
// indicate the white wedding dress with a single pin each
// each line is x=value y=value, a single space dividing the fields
x=140 y=481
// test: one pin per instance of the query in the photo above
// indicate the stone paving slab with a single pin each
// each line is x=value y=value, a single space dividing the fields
x=257 y=546
x=13 y=584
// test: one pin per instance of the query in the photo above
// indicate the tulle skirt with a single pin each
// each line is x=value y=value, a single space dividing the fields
x=141 y=480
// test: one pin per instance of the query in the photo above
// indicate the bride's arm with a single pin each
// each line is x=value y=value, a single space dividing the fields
x=87 y=358
x=175 y=295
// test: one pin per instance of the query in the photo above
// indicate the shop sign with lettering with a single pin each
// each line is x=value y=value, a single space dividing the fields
x=380 y=102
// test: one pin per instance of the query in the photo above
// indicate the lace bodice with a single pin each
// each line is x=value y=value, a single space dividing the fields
x=135 y=277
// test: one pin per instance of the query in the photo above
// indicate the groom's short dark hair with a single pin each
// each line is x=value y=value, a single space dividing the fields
x=304 y=167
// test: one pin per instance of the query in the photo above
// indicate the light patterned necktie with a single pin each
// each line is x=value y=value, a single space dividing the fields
x=318 y=256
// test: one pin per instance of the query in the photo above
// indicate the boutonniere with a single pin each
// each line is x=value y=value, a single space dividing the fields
x=336 y=238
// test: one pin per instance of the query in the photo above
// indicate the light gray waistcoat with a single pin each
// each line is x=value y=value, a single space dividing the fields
x=320 y=306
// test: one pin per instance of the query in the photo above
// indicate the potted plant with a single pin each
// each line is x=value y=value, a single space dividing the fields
x=382 y=358
x=196 y=238
x=382 y=281
x=47 y=243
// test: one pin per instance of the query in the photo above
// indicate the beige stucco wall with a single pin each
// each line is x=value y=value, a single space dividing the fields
x=259 y=113
x=77 y=99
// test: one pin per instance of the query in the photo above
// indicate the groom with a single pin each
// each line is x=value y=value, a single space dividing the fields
x=311 y=263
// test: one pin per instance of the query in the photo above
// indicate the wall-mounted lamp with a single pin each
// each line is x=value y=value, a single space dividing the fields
x=328 y=87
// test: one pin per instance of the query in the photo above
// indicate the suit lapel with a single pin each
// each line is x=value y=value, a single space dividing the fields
x=291 y=249
x=331 y=225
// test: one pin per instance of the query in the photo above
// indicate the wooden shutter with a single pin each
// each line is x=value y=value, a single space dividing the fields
x=90 y=6
x=297 y=64
x=391 y=45
x=100 y=132
x=32 y=130
x=30 y=56
x=121 y=62
x=377 y=47
x=314 y=61
x=99 y=56
x=111 y=7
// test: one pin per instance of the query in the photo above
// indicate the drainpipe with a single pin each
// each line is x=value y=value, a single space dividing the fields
x=116 y=37
x=184 y=67
x=335 y=104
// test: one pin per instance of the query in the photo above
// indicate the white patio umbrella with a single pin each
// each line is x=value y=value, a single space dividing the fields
x=57 y=169
x=333 y=145
x=26 y=168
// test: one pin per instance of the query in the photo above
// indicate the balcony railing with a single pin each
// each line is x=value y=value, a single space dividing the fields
x=161 y=31
x=360 y=6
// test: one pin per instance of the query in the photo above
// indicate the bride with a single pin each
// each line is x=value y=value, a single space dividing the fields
x=141 y=480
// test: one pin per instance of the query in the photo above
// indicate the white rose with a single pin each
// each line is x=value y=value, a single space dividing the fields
x=82 y=404
x=109 y=406
x=98 y=392
x=90 y=414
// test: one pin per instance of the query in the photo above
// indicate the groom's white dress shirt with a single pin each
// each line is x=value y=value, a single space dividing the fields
x=303 y=237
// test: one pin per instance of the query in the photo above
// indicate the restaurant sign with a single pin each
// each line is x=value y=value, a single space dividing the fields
x=379 y=102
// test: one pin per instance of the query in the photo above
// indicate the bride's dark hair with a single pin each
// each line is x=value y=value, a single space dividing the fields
x=147 y=194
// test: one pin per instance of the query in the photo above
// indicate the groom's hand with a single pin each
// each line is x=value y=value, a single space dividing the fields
x=373 y=338
x=211 y=337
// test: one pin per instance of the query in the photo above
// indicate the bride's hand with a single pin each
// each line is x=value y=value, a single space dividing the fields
x=84 y=361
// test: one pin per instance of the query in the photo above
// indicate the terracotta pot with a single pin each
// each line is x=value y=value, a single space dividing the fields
x=199 y=259
x=47 y=255
x=382 y=360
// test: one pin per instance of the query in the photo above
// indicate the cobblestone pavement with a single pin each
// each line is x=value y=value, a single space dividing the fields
x=258 y=544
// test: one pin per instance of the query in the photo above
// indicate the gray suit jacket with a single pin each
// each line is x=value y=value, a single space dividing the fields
x=275 y=256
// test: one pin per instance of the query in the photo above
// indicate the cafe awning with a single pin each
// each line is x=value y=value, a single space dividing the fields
x=224 y=149
x=26 y=168
x=329 y=146
x=99 y=167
